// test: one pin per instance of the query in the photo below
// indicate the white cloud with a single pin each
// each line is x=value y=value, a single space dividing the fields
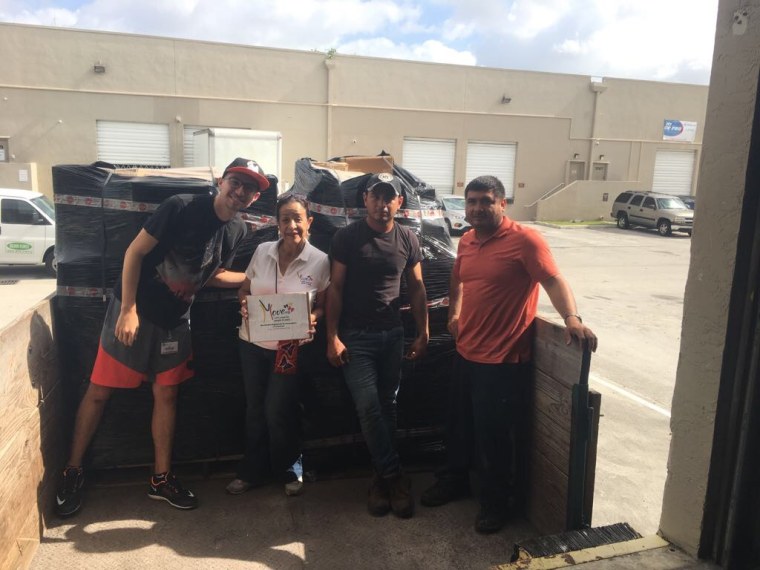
x=298 y=24
x=451 y=30
x=532 y=17
x=524 y=19
x=52 y=17
x=648 y=39
x=430 y=50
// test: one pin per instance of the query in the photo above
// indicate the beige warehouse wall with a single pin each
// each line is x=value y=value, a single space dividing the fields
x=19 y=175
x=64 y=59
x=635 y=110
x=434 y=87
x=730 y=108
x=540 y=167
x=63 y=130
x=583 y=200
x=322 y=105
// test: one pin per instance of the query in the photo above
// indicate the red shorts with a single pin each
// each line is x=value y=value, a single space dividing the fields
x=158 y=355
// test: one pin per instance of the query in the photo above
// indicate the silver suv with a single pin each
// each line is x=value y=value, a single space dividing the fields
x=652 y=210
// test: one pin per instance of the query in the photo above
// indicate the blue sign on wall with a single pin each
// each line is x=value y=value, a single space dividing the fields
x=675 y=130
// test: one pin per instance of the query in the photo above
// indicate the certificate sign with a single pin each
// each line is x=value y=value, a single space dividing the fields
x=284 y=316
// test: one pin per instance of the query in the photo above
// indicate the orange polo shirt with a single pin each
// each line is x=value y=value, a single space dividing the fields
x=500 y=278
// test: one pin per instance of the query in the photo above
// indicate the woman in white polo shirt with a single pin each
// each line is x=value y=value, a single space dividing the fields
x=272 y=370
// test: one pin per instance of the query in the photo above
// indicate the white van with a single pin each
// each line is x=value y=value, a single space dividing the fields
x=27 y=228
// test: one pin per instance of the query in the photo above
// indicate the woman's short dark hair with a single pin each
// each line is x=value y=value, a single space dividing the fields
x=287 y=198
x=486 y=183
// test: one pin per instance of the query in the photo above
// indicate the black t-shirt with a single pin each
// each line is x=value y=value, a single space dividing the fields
x=192 y=244
x=374 y=265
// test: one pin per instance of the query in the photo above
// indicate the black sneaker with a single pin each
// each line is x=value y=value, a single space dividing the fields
x=444 y=491
x=166 y=487
x=68 y=498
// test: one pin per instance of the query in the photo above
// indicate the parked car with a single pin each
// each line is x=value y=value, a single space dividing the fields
x=453 y=212
x=689 y=200
x=652 y=210
x=27 y=228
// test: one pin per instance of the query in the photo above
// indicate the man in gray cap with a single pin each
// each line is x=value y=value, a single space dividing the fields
x=364 y=332
x=189 y=242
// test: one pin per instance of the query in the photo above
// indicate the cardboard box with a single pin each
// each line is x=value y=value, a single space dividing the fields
x=279 y=317
x=369 y=164
x=333 y=165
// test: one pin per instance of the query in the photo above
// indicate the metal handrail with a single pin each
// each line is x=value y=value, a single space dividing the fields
x=547 y=194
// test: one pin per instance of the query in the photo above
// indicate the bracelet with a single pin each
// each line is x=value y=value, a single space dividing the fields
x=576 y=316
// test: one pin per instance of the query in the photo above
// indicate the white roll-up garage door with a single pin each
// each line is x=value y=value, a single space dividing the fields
x=496 y=159
x=673 y=171
x=432 y=161
x=133 y=144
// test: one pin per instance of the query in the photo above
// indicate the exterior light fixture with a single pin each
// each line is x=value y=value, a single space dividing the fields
x=99 y=68
x=576 y=156
x=505 y=100
x=601 y=157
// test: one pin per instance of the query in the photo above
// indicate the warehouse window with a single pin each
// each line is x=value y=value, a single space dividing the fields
x=128 y=145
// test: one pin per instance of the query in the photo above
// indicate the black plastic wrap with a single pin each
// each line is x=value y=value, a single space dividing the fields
x=129 y=201
x=78 y=197
x=77 y=322
x=336 y=200
x=211 y=407
x=99 y=212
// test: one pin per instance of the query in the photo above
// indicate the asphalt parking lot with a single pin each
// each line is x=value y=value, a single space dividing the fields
x=629 y=285
x=22 y=287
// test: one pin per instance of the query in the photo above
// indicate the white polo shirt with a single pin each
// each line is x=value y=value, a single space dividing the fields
x=310 y=271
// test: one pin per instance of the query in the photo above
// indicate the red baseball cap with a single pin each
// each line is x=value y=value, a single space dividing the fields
x=248 y=168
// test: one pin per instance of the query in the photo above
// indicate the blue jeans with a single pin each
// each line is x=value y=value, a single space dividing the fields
x=485 y=429
x=372 y=375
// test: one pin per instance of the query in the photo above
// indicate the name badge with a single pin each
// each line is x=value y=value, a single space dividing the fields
x=169 y=347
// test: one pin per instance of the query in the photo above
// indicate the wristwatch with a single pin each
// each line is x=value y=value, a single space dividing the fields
x=576 y=316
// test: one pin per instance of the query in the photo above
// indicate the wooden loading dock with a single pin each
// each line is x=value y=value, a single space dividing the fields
x=33 y=434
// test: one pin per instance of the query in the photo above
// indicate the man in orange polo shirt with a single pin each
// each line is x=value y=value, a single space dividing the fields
x=493 y=299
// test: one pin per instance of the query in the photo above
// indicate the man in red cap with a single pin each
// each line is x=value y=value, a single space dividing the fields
x=187 y=243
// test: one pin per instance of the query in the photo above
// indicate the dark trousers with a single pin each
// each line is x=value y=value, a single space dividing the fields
x=485 y=428
x=273 y=414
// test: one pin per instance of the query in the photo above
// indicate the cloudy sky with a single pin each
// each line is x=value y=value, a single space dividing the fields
x=663 y=40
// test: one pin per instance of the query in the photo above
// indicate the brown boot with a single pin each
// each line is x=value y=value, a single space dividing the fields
x=402 y=501
x=378 y=500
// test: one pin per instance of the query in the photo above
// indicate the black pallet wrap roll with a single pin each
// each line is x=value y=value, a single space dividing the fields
x=99 y=213
x=330 y=418
x=78 y=197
